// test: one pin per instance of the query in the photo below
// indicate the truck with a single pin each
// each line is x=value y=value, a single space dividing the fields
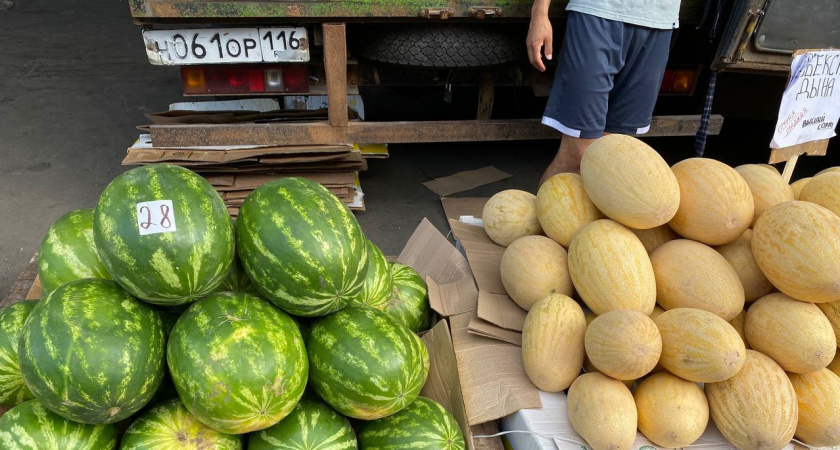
x=463 y=60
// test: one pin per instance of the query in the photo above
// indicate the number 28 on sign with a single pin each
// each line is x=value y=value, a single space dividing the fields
x=155 y=217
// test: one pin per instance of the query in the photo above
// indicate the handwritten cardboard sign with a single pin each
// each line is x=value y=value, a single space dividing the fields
x=811 y=102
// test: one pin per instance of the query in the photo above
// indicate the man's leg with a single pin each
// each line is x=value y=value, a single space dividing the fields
x=568 y=157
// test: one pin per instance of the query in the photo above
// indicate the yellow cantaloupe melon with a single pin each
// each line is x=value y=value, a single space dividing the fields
x=834 y=365
x=739 y=255
x=756 y=408
x=629 y=182
x=602 y=411
x=692 y=275
x=552 y=342
x=563 y=207
x=610 y=268
x=510 y=215
x=738 y=324
x=767 y=186
x=623 y=344
x=699 y=346
x=796 y=246
x=832 y=312
x=818 y=398
x=716 y=203
x=652 y=238
x=533 y=267
x=797 y=186
x=829 y=170
x=797 y=335
x=672 y=412
x=823 y=190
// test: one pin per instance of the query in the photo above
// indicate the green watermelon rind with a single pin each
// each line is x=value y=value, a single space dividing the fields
x=92 y=353
x=68 y=252
x=311 y=425
x=301 y=247
x=364 y=364
x=13 y=389
x=238 y=363
x=422 y=425
x=409 y=302
x=30 y=425
x=237 y=280
x=170 y=425
x=169 y=268
x=378 y=284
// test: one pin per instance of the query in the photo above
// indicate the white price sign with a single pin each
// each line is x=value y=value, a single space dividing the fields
x=811 y=101
x=155 y=217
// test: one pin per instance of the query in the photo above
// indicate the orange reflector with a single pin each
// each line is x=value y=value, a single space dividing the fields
x=683 y=80
x=193 y=79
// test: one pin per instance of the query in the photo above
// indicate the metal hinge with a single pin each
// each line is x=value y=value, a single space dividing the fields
x=436 y=13
x=481 y=12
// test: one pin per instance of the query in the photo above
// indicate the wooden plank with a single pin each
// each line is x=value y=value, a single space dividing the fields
x=321 y=133
x=814 y=148
x=335 y=68
x=21 y=288
x=486 y=96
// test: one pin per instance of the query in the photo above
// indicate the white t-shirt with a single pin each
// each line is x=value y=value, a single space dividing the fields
x=662 y=14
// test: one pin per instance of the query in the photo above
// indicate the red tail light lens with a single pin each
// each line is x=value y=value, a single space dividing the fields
x=679 y=81
x=254 y=79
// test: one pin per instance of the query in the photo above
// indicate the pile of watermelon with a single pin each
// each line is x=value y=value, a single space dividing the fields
x=191 y=330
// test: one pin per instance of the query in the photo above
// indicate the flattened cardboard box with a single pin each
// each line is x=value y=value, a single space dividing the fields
x=493 y=379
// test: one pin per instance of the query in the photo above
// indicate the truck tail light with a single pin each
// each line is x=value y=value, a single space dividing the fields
x=679 y=81
x=235 y=80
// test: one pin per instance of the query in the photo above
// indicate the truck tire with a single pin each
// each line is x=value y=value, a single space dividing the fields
x=439 y=47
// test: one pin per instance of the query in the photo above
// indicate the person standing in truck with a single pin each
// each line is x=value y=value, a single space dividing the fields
x=609 y=72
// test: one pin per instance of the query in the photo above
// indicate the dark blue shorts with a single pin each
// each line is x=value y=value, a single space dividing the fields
x=608 y=77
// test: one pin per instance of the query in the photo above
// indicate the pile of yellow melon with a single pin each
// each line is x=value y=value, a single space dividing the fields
x=711 y=291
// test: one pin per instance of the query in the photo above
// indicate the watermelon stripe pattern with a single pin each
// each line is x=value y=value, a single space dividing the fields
x=376 y=290
x=237 y=280
x=167 y=268
x=68 y=252
x=169 y=426
x=92 y=353
x=31 y=426
x=12 y=388
x=237 y=362
x=312 y=425
x=423 y=425
x=409 y=303
x=364 y=364
x=301 y=247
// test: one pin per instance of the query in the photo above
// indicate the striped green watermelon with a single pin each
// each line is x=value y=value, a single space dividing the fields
x=31 y=426
x=12 y=388
x=376 y=290
x=301 y=246
x=422 y=425
x=365 y=364
x=238 y=363
x=312 y=425
x=68 y=252
x=237 y=280
x=409 y=302
x=92 y=353
x=191 y=246
x=169 y=426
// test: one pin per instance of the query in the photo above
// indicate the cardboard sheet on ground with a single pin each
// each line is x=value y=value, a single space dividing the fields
x=454 y=208
x=466 y=180
x=500 y=310
x=495 y=383
x=483 y=254
x=486 y=329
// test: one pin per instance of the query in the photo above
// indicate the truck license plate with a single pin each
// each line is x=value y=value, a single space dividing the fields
x=226 y=45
